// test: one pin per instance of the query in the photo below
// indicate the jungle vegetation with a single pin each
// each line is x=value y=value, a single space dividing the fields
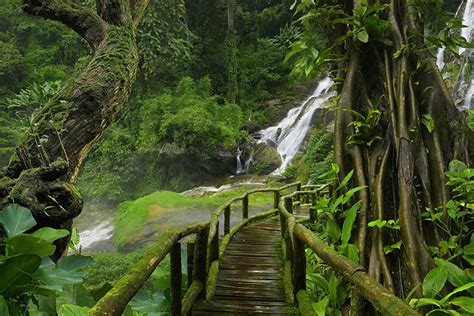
x=117 y=99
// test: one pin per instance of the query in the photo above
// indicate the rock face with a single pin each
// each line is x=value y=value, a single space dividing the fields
x=265 y=159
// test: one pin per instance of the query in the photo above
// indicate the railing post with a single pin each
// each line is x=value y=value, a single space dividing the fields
x=299 y=266
x=200 y=257
x=227 y=220
x=298 y=188
x=176 y=276
x=276 y=198
x=313 y=214
x=245 y=206
x=214 y=251
x=289 y=204
x=190 y=253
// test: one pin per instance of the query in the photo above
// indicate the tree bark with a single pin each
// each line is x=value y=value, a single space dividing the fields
x=404 y=170
x=41 y=174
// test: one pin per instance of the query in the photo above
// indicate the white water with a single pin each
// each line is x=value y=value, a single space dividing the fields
x=468 y=21
x=466 y=86
x=101 y=232
x=291 y=132
x=440 y=58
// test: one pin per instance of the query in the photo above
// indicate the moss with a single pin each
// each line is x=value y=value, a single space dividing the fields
x=212 y=280
x=287 y=283
x=132 y=216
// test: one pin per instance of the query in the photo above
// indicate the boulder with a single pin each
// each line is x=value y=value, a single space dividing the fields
x=265 y=159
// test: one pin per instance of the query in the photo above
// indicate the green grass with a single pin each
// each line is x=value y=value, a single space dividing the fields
x=132 y=216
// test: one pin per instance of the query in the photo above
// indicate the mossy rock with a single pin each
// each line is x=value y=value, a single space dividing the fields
x=265 y=159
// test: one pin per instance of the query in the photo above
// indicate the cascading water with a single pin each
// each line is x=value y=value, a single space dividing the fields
x=289 y=135
x=466 y=82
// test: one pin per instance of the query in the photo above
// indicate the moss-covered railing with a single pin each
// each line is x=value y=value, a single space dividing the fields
x=204 y=253
x=296 y=236
x=216 y=251
x=115 y=300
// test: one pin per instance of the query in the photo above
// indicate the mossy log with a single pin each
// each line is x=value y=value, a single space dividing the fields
x=381 y=298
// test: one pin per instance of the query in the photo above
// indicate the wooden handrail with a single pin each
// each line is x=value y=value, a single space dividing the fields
x=115 y=300
x=207 y=252
x=296 y=235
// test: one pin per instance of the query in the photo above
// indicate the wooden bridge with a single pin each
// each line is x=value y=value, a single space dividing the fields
x=256 y=267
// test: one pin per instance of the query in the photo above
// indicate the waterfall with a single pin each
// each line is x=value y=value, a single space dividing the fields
x=466 y=82
x=440 y=58
x=239 y=169
x=290 y=133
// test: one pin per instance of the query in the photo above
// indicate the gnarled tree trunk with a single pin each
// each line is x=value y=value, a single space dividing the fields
x=41 y=174
x=404 y=169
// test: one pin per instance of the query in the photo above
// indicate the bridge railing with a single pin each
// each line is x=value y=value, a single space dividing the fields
x=205 y=254
x=296 y=236
x=216 y=249
x=115 y=300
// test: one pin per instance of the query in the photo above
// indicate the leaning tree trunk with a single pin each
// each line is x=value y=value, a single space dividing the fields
x=41 y=174
x=404 y=169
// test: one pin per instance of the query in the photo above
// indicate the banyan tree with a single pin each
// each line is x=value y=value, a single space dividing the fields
x=397 y=126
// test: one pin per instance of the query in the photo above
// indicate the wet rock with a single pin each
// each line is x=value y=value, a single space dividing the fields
x=265 y=159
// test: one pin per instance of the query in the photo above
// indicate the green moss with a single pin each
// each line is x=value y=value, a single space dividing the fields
x=132 y=216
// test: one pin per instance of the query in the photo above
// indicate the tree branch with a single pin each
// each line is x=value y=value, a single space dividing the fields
x=81 y=19
x=138 y=9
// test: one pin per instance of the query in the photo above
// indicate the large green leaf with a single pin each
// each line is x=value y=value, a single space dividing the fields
x=29 y=244
x=332 y=229
x=456 y=276
x=349 y=223
x=16 y=220
x=320 y=307
x=74 y=262
x=74 y=294
x=18 y=270
x=50 y=234
x=3 y=306
x=466 y=303
x=73 y=310
x=57 y=278
x=434 y=281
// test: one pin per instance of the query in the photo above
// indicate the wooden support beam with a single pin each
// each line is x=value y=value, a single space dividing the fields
x=299 y=266
x=176 y=277
x=289 y=204
x=214 y=246
x=200 y=258
x=276 y=198
x=245 y=206
x=190 y=254
x=227 y=219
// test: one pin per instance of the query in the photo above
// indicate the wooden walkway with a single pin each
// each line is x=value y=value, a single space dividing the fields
x=250 y=275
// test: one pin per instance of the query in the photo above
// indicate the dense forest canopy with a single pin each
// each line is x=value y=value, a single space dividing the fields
x=110 y=103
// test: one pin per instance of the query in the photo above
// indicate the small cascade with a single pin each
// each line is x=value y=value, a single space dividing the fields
x=466 y=82
x=288 y=136
x=440 y=58
x=239 y=169
x=100 y=233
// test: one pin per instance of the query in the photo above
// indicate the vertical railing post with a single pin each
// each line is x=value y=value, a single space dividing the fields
x=245 y=206
x=214 y=251
x=298 y=188
x=299 y=266
x=289 y=204
x=200 y=257
x=227 y=220
x=276 y=198
x=176 y=276
x=190 y=254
